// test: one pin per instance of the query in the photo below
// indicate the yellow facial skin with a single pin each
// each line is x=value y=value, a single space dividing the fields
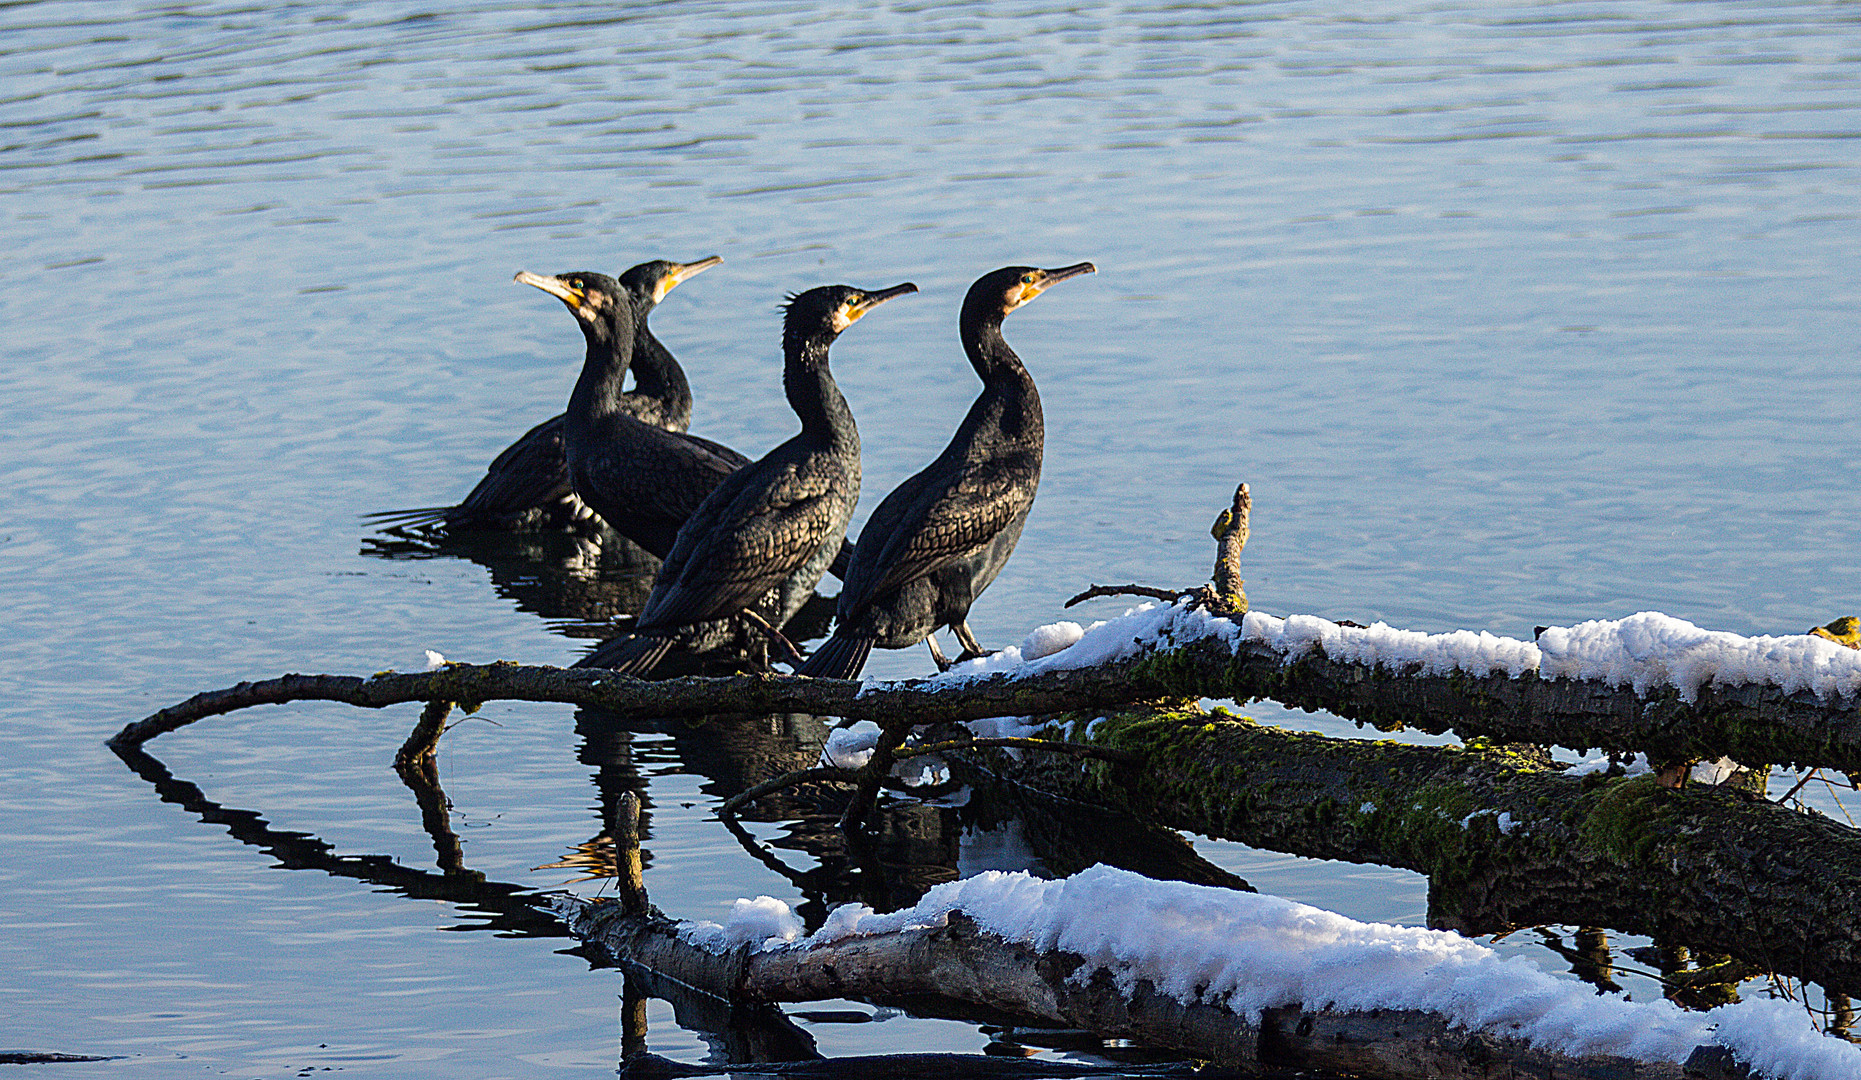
x=682 y=272
x=571 y=290
x=1035 y=282
x=856 y=308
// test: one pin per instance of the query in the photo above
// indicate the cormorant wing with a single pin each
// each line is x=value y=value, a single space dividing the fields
x=530 y=472
x=646 y=484
x=760 y=525
x=931 y=519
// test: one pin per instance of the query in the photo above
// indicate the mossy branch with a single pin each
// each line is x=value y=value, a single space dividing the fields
x=1505 y=838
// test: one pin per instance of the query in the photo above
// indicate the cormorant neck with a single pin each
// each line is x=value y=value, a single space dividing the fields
x=658 y=376
x=988 y=351
x=815 y=397
x=597 y=393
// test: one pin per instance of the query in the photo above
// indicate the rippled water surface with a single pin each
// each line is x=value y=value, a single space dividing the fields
x=1510 y=315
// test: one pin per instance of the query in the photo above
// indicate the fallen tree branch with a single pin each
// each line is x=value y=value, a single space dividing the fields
x=1753 y=723
x=959 y=962
x=1504 y=839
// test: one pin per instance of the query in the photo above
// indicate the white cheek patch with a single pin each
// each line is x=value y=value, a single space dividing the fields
x=843 y=318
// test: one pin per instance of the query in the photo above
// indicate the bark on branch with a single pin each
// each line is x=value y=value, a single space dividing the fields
x=961 y=963
x=1504 y=840
x=1750 y=723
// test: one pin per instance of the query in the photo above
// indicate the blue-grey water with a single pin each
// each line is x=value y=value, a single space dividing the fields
x=1510 y=314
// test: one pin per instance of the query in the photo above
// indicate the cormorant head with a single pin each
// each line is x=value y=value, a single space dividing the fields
x=999 y=292
x=821 y=314
x=649 y=282
x=596 y=300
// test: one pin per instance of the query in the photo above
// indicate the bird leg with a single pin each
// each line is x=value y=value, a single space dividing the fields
x=943 y=662
x=972 y=649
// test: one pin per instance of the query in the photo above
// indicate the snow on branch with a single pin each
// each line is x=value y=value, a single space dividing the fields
x=1243 y=954
x=1646 y=683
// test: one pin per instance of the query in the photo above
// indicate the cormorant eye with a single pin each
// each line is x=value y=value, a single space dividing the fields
x=576 y=284
x=1027 y=279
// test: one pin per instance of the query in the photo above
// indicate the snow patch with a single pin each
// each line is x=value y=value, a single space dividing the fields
x=763 y=923
x=1043 y=641
x=1003 y=727
x=1650 y=649
x=1468 y=651
x=1147 y=626
x=1584 y=766
x=851 y=747
x=1644 y=651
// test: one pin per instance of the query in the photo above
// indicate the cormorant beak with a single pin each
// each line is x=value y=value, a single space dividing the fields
x=856 y=308
x=555 y=287
x=1047 y=279
x=682 y=271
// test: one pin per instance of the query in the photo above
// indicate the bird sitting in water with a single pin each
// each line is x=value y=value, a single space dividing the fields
x=942 y=536
x=762 y=540
x=527 y=486
x=643 y=480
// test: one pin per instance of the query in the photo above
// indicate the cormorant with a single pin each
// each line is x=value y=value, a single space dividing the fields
x=643 y=480
x=527 y=486
x=939 y=539
x=763 y=539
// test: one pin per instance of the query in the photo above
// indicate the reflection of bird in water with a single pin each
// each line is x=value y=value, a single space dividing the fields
x=939 y=538
x=763 y=539
x=527 y=486
x=579 y=583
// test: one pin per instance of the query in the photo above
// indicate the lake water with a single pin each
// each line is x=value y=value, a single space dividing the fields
x=1510 y=314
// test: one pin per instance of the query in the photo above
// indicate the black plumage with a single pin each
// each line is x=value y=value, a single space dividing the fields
x=940 y=538
x=644 y=481
x=762 y=540
x=527 y=486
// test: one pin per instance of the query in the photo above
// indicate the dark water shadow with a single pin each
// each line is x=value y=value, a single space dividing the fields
x=578 y=582
x=586 y=584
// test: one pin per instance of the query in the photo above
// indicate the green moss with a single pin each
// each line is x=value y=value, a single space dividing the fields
x=1627 y=819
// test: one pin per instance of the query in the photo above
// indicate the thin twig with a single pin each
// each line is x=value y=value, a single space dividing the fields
x=832 y=773
x=1806 y=778
x=1130 y=590
x=1054 y=746
x=790 y=654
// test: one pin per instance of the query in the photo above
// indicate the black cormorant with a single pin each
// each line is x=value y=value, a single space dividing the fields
x=763 y=539
x=527 y=486
x=643 y=480
x=939 y=539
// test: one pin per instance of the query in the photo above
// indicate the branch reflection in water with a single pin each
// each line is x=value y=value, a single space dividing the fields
x=918 y=846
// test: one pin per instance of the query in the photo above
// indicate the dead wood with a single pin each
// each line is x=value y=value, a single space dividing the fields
x=1749 y=723
x=959 y=962
x=1504 y=839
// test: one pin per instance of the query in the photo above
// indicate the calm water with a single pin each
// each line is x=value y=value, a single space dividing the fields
x=1510 y=315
